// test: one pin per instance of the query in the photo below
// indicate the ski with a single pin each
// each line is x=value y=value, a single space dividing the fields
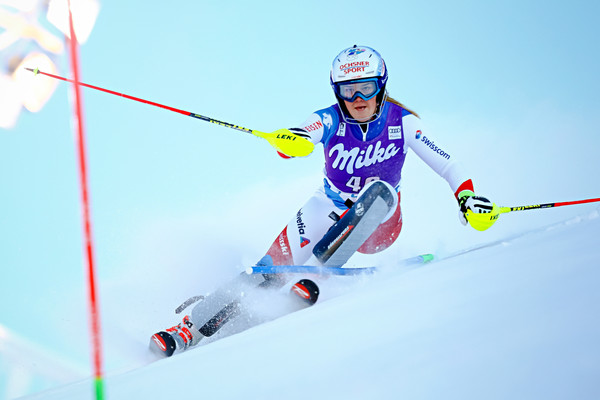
x=336 y=270
x=187 y=303
x=362 y=219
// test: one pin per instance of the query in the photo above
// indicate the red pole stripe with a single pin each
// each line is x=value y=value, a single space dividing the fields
x=152 y=103
x=568 y=203
x=93 y=303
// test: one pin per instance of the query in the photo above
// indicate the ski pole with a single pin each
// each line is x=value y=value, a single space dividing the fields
x=337 y=270
x=547 y=205
x=282 y=140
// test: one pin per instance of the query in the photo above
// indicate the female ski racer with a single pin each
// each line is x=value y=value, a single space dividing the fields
x=365 y=137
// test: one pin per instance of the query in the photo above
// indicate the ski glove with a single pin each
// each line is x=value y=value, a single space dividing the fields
x=292 y=142
x=478 y=211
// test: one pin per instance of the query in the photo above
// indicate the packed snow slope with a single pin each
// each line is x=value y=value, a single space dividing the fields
x=180 y=206
x=515 y=318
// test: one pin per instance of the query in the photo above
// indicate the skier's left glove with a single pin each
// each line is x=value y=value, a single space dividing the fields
x=478 y=211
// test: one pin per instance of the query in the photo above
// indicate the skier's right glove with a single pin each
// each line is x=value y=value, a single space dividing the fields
x=478 y=211
x=293 y=142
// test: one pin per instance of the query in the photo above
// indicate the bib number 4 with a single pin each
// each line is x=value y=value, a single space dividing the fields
x=355 y=182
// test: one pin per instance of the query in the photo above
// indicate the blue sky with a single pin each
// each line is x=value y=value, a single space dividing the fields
x=510 y=86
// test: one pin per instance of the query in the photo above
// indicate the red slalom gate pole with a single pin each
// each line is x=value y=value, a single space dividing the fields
x=87 y=225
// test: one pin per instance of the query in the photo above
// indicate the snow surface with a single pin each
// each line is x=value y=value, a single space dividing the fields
x=514 y=318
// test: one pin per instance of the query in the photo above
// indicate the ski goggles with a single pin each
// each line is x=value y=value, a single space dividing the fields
x=366 y=89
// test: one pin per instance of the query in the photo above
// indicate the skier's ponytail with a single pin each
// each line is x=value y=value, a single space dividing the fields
x=396 y=102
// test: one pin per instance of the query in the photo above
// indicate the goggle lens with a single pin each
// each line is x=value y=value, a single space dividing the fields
x=350 y=91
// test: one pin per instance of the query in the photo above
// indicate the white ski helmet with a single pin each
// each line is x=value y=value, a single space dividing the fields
x=363 y=65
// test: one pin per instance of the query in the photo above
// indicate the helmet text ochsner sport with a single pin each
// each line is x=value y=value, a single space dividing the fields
x=353 y=67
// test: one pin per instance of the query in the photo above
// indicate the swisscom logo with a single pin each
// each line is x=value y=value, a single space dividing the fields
x=419 y=133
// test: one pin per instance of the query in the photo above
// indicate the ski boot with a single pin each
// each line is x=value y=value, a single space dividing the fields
x=176 y=339
x=306 y=292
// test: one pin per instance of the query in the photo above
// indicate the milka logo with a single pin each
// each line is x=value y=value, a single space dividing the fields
x=356 y=158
